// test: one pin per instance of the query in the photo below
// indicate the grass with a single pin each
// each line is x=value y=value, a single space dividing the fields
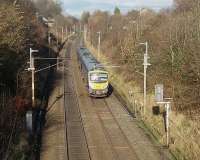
x=184 y=133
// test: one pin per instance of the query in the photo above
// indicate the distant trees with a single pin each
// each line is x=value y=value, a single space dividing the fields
x=117 y=11
x=98 y=22
x=48 y=8
x=84 y=17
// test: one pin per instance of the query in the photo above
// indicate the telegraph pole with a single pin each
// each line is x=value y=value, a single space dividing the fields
x=66 y=30
x=57 y=35
x=62 y=34
x=33 y=82
x=85 y=33
x=32 y=69
x=74 y=28
x=99 y=44
x=49 y=41
x=145 y=64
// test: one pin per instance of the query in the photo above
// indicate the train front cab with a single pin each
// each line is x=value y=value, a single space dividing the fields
x=98 y=83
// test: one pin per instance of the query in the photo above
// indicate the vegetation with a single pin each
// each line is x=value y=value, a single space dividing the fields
x=22 y=26
x=117 y=11
x=173 y=38
x=48 y=8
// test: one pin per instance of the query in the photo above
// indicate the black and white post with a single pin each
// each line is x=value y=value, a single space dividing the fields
x=159 y=97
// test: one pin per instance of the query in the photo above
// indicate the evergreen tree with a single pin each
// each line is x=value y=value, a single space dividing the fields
x=117 y=11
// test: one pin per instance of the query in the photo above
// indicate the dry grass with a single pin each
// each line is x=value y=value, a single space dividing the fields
x=185 y=133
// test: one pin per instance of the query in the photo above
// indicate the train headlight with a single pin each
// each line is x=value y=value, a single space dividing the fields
x=90 y=90
x=105 y=90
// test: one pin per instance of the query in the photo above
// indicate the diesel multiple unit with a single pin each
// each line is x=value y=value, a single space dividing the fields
x=94 y=75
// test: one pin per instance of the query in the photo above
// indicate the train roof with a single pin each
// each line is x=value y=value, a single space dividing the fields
x=88 y=59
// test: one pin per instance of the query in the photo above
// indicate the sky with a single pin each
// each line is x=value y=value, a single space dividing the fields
x=76 y=7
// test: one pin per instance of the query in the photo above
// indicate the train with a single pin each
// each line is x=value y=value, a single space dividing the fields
x=95 y=76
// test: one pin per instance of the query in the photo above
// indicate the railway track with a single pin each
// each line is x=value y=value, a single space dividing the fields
x=76 y=143
x=106 y=131
x=118 y=141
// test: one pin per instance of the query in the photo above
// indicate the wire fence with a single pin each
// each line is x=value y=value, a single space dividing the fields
x=7 y=120
x=5 y=94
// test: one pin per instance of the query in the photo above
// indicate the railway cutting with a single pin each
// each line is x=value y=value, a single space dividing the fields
x=92 y=128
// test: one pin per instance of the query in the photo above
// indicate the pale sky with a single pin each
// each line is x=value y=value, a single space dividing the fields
x=76 y=7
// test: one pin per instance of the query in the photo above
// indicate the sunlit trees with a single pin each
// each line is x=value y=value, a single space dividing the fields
x=173 y=36
x=48 y=8
x=84 y=17
x=12 y=27
x=23 y=25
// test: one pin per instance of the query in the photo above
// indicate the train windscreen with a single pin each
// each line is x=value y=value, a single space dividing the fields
x=98 y=77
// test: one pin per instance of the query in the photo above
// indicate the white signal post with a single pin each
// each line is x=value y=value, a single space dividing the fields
x=32 y=69
x=145 y=64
